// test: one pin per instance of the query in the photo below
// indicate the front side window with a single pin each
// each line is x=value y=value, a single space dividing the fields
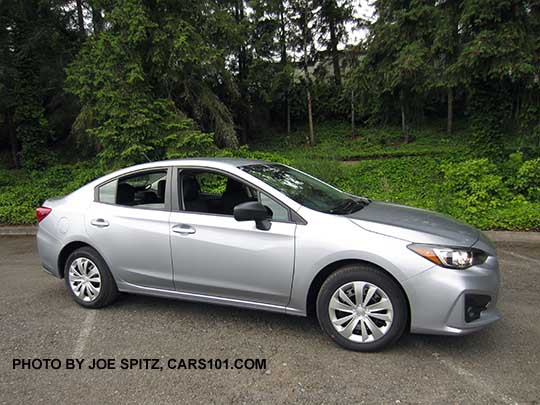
x=211 y=192
x=304 y=189
x=279 y=212
x=140 y=190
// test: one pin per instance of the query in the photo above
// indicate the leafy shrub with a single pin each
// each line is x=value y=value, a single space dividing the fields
x=192 y=144
x=245 y=152
x=22 y=191
x=528 y=179
x=484 y=193
x=474 y=187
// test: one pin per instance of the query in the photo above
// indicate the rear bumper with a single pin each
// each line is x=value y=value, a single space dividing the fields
x=438 y=298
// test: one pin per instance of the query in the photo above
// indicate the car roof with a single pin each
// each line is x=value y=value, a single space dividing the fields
x=211 y=162
x=229 y=161
x=237 y=162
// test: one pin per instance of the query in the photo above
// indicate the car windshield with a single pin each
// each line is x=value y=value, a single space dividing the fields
x=306 y=190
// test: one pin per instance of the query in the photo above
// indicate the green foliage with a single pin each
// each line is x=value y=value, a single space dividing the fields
x=489 y=194
x=109 y=78
x=174 y=79
x=32 y=132
x=22 y=191
x=33 y=53
x=192 y=144
x=245 y=152
x=484 y=195
x=475 y=187
x=527 y=180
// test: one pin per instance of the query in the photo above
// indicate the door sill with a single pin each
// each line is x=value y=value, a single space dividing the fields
x=208 y=299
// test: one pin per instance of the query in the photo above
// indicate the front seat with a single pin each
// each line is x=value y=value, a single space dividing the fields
x=235 y=193
x=191 y=192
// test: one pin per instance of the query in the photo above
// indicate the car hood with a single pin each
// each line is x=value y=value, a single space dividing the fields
x=414 y=224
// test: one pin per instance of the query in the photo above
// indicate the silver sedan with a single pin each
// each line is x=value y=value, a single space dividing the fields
x=261 y=235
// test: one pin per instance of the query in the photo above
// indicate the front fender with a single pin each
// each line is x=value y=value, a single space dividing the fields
x=315 y=251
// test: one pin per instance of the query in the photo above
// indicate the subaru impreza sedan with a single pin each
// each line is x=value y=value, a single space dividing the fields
x=262 y=235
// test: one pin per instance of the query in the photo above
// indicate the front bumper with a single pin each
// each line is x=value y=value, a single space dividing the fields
x=438 y=298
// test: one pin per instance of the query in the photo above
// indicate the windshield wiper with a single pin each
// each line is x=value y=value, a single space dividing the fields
x=349 y=206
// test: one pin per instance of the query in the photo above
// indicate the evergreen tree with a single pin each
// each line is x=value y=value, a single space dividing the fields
x=332 y=19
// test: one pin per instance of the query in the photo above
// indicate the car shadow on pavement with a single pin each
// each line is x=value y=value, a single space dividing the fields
x=304 y=328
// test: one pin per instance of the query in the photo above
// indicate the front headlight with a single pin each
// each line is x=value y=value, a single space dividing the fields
x=450 y=257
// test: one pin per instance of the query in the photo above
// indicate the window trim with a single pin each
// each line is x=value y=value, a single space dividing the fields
x=168 y=188
x=294 y=217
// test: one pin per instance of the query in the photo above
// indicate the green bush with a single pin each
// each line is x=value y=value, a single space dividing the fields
x=22 y=191
x=481 y=193
x=528 y=179
x=474 y=187
x=500 y=194
x=326 y=170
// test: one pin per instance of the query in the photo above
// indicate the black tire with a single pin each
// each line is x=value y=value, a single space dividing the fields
x=108 y=291
x=377 y=277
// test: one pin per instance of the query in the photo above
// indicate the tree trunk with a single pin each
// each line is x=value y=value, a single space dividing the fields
x=353 y=126
x=335 y=53
x=517 y=112
x=404 y=128
x=450 y=115
x=14 y=145
x=282 y=35
x=283 y=61
x=310 y=119
x=245 y=109
x=242 y=60
x=97 y=19
x=311 y=136
x=288 y=101
x=80 y=17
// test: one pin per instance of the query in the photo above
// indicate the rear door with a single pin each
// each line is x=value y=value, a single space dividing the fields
x=128 y=224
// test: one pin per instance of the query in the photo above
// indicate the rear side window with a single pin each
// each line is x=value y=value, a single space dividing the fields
x=140 y=190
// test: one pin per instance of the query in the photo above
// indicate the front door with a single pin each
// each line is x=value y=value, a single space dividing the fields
x=213 y=254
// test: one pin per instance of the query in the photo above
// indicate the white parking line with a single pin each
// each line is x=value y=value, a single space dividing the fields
x=522 y=257
x=480 y=384
x=84 y=334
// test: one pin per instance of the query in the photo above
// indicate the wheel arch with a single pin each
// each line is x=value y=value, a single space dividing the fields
x=66 y=251
x=325 y=272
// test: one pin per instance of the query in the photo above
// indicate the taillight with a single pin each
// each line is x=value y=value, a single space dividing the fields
x=42 y=212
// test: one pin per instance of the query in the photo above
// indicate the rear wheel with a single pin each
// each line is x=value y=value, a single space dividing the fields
x=361 y=308
x=89 y=279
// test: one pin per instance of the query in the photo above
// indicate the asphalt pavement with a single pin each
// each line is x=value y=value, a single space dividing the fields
x=38 y=320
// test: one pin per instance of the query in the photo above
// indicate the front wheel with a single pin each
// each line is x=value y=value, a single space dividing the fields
x=361 y=308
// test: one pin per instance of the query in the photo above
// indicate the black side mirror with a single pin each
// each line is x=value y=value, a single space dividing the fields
x=254 y=211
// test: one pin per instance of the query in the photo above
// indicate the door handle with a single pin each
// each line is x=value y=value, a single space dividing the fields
x=99 y=222
x=183 y=229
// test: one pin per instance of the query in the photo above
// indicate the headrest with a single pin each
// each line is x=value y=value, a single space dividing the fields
x=161 y=189
x=125 y=194
x=234 y=186
x=190 y=188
